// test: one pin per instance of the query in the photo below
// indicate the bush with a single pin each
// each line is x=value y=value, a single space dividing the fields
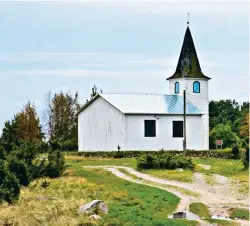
x=56 y=165
x=235 y=152
x=164 y=161
x=245 y=158
x=9 y=185
x=21 y=170
x=134 y=154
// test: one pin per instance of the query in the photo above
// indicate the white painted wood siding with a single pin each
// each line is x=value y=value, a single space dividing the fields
x=164 y=133
x=100 y=127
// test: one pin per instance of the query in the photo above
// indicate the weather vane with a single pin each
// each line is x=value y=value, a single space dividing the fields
x=188 y=18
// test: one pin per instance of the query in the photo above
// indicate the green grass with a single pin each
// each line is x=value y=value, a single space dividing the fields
x=164 y=186
x=225 y=167
x=183 y=176
x=130 y=203
x=239 y=213
x=130 y=162
x=223 y=222
x=200 y=209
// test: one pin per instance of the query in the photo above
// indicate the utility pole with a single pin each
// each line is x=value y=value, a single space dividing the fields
x=184 y=122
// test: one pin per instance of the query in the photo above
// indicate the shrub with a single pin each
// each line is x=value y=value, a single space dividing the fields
x=56 y=165
x=164 y=161
x=21 y=170
x=134 y=154
x=245 y=158
x=9 y=185
x=236 y=152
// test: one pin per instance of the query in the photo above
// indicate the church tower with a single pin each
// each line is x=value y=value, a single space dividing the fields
x=189 y=76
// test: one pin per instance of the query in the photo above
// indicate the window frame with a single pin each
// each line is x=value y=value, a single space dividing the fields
x=175 y=84
x=196 y=82
x=182 y=131
x=153 y=132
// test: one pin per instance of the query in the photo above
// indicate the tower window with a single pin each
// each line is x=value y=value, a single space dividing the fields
x=196 y=87
x=176 y=87
x=149 y=128
x=177 y=128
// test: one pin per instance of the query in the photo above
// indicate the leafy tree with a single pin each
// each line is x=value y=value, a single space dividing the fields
x=222 y=112
x=61 y=117
x=244 y=129
x=223 y=132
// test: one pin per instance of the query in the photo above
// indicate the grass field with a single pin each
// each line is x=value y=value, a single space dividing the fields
x=56 y=201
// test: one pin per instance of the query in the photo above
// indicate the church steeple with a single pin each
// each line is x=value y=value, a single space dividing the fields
x=188 y=65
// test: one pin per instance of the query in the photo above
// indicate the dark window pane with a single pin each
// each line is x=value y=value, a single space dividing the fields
x=177 y=128
x=149 y=128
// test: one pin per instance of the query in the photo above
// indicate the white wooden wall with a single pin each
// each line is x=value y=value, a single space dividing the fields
x=101 y=127
x=164 y=133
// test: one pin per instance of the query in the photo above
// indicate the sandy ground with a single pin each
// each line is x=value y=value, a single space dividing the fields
x=219 y=197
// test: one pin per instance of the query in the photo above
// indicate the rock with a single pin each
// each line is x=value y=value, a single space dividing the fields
x=95 y=217
x=180 y=169
x=94 y=206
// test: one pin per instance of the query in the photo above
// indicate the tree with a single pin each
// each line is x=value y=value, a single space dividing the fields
x=223 y=132
x=28 y=124
x=244 y=129
x=61 y=117
x=222 y=112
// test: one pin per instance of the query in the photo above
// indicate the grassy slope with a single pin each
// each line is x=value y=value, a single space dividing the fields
x=129 y=203
x=133 y=204
x=226 y=167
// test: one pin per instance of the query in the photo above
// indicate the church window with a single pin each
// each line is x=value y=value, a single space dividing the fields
x=176 y=88
x=177 y=128
x=196 y=87
x=150 y=128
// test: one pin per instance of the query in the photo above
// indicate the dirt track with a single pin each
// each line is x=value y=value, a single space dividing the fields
x=219 y=197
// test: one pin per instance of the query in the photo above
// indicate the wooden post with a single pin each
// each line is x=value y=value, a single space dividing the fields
x=184 y=123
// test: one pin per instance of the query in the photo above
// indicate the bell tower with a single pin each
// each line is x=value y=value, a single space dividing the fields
x=189 y=76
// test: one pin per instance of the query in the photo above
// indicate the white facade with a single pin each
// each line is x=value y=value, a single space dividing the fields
x=201 y=100
x=102 y=127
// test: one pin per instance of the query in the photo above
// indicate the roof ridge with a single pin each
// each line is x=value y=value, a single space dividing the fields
x=126 y=93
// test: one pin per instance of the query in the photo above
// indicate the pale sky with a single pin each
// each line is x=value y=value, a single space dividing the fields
x=121 y=46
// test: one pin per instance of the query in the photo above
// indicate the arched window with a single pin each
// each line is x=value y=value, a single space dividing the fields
x=176 y=87
x=196 y=87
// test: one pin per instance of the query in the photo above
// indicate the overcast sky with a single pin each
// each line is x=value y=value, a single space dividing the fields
x=119 y=46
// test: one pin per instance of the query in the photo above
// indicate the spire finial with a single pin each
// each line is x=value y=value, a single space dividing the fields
x=188 y=19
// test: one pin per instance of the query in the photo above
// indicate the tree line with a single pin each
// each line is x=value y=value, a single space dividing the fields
x=228 y=120
x=24 y=138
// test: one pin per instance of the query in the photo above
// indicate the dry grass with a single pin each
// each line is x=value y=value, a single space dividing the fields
x=49 y=202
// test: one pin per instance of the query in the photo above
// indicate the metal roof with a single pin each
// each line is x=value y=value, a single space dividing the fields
x=147 y=103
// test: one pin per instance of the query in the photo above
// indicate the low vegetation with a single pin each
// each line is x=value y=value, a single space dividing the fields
x=200 y=209
x=56 y=201
x=20 y=165
x=239 y=213
x=164 y=161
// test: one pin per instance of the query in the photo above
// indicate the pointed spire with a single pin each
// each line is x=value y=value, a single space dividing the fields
x=188 y=64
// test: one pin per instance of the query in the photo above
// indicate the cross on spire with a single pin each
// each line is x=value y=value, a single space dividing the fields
x=188 y=18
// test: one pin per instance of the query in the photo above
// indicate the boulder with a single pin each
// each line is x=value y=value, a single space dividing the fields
x=94 y=206
x=95 y=217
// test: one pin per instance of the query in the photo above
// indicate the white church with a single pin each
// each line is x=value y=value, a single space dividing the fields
x=151 y=122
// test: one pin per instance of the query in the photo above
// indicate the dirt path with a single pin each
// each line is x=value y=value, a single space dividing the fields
x=219 y=198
